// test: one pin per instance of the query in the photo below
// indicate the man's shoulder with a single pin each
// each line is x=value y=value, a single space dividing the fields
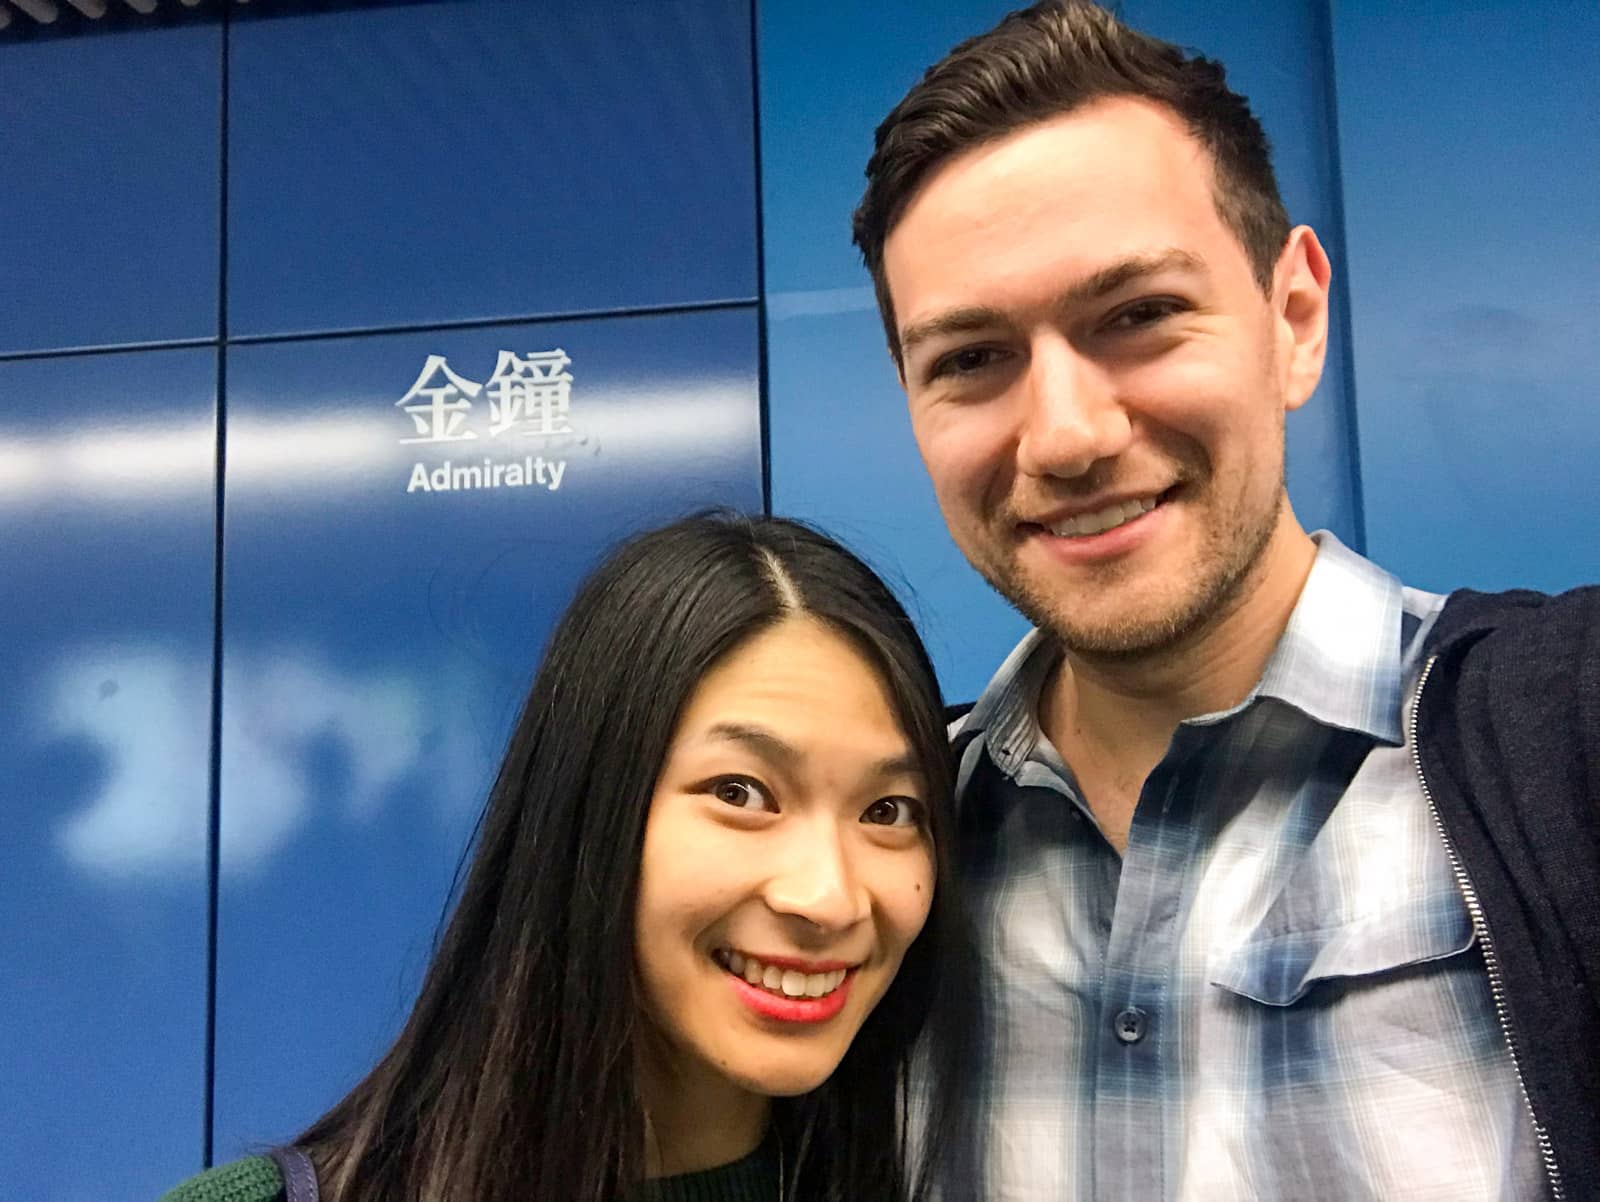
x=252 y=1179
x=1513 y=691
x=1520 y=655
x=1524 y=620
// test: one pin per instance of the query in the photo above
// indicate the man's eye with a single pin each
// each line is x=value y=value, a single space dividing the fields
x=964 y=362
x=740 y=792
x=1143 y=314
x=894 y=811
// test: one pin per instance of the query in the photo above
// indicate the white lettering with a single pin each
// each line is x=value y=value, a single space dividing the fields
x=450 y=476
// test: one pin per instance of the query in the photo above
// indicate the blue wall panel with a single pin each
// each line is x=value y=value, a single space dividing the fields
x=1471 y=137
x=842 y=452
x=379 y=641
x=108 y=188
x=422 y=163
x=106 y=517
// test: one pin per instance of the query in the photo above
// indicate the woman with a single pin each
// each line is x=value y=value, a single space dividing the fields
x=700 y=931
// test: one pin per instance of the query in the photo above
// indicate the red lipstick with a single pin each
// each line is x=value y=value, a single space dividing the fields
x=792 y=1009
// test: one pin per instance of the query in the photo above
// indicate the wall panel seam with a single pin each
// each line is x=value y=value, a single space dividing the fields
x=1342 y=284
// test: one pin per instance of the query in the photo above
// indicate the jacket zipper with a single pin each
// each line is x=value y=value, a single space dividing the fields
x=1480 y=927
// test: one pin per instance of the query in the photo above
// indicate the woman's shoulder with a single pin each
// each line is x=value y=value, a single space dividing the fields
x=253 y=1179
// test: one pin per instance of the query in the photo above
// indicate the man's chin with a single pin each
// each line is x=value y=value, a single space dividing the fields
x=1139 y=627
x=1124 y=642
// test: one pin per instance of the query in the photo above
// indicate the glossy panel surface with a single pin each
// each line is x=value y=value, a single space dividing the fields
x=380 y=640
x=106 y=517
x=109 y=188
x=1471 y=136
x=842 y=452
x=424 y=163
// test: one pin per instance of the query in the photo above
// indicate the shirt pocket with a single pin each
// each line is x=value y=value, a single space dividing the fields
x=1280 y=961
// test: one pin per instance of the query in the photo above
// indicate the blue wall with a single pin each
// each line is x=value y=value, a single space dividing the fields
x=1471 y=136
x=217 y=304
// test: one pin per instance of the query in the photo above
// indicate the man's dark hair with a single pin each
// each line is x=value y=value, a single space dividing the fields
x=1042 y=62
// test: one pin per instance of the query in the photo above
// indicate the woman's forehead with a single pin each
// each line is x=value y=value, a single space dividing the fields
x=795 y=687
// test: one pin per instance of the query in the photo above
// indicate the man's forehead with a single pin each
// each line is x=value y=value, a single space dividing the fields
x=1114 y=142
x=1115 y=181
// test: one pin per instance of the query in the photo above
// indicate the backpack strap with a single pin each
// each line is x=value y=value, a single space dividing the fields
x=299 y=1177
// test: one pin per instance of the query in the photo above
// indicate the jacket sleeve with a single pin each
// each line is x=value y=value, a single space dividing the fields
x=1508 y=736
x=253 y=1179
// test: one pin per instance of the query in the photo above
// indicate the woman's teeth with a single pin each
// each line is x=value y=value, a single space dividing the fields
x=785 y=981
x=1102 y=520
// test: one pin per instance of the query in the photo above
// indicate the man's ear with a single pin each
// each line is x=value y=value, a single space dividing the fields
x=1300 y=302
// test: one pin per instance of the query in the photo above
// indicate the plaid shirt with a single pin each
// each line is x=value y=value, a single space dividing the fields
x=1275 y=992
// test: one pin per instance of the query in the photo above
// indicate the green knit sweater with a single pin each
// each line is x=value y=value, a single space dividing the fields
x=256 y=1179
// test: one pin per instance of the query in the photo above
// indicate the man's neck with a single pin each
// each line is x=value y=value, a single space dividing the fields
x=1112 y=718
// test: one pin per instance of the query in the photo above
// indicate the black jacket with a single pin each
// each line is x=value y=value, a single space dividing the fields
x=1507 y=735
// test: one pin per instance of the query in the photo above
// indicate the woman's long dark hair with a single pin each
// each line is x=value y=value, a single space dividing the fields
x=514 y=1077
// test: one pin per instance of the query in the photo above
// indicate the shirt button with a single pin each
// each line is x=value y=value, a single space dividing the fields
x=1130 y=1024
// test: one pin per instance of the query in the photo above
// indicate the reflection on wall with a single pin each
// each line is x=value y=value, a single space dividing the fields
x=134 y=707
x=154 y=462
x=291 y=711
x=143 y=463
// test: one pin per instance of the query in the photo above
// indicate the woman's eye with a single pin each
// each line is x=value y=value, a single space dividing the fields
x=745 y=794
x=893 y=811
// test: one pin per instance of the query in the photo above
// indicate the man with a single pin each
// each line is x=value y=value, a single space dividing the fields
x=1259 y=921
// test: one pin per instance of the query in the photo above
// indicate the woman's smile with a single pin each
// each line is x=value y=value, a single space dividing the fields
x=788 y=989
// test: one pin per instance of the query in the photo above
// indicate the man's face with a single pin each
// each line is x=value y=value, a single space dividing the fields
x=1097 y=383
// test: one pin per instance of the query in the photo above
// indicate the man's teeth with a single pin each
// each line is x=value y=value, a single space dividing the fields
x=782 y=980
x=1105 y=519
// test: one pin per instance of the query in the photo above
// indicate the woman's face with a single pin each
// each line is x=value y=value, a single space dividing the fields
x=787 y=864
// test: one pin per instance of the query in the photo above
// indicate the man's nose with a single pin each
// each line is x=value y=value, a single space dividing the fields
x=815 y=880
x=1071 y=416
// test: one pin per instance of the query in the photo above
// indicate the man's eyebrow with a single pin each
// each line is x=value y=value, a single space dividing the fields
x=1120 y=274
x=1108 y=279
x=785 y=755
x=955 y=321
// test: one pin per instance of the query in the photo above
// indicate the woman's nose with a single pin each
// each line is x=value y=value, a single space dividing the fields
x=815 y=880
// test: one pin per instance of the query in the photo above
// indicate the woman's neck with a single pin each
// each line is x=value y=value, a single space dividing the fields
x=697 y=1119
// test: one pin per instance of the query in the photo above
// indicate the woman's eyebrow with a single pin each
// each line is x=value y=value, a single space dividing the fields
x=776 y=750
x=759 y=740
x=904 y=764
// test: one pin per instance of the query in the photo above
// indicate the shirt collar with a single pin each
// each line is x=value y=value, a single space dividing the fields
x=1007 y=712
x=1339 y=661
